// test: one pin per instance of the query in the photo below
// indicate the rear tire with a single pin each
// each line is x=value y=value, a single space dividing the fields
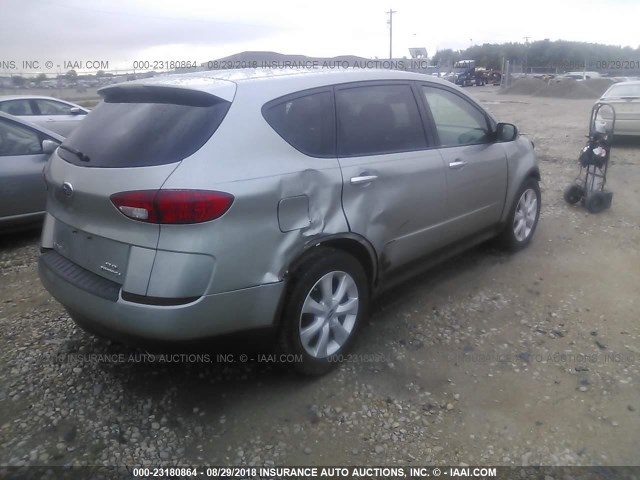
x=523 y=217
x=327 y=301
x=573 y=193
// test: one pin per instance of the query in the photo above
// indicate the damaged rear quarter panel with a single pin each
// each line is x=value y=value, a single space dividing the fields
x=247 y=243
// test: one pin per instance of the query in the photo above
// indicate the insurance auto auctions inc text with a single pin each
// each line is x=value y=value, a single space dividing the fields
x=404 y=64
x=349 y=472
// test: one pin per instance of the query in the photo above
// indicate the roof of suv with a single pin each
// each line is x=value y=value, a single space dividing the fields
x=213 y=80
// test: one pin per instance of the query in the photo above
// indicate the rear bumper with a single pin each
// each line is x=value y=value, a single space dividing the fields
x=88 y=295
x=627 y=127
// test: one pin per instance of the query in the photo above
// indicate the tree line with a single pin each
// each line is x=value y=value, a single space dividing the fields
x=560 y=54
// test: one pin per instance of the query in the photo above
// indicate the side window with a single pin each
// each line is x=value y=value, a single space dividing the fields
x=49 y=107
x=457 y=121
x=16 y=107
x=306 y=123
x=378 y=119
x=17 y=139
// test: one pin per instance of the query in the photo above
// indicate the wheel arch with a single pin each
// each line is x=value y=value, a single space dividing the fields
x=353 y=244
x=534 y=172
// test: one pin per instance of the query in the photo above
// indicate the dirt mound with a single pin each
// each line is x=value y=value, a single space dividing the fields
x=524 y=86
x=565 y=88
x=599 y=85
x=568 y=88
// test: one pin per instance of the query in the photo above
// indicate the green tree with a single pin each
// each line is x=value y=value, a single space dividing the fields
x=445 y=57
x=40 y=78
x=18 y=81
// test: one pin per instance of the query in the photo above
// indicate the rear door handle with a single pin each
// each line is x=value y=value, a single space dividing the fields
x=457 y=164
x=363 y=179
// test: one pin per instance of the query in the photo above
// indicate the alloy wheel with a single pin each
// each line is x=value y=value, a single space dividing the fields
x=329 y=314
x=525 y=217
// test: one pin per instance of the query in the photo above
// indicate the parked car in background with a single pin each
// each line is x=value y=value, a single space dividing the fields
x=194 y=205
x=625 y=99
x=51 y=113
x=581 y=75
x=24 y=150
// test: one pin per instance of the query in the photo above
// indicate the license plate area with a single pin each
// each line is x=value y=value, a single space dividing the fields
x=99 y=255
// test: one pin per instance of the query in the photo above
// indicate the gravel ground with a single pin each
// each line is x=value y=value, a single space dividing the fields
x=526 y=359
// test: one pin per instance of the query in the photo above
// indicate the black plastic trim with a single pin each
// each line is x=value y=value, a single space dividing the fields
x=79 y=277
x=159 y=301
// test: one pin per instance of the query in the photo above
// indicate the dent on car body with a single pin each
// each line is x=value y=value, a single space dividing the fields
x=324 y=215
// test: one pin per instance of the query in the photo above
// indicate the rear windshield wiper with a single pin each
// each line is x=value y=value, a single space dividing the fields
x=77 y=153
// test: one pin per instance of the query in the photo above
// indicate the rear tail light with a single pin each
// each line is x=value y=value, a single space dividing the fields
x=172 y=206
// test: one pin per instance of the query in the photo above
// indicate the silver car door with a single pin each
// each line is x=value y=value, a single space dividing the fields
x=475 y=165
x=394 y=185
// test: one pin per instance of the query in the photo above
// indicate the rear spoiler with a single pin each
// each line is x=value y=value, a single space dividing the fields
x=132 y=93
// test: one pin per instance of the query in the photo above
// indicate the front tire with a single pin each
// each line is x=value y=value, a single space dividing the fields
x=326 y=304
x=523 y=217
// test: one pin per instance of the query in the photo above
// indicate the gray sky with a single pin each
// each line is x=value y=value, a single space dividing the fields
x=121 y=32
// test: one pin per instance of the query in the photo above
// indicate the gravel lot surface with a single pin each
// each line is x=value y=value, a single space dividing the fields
x=526 y=359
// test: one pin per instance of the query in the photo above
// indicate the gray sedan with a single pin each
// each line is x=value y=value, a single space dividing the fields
x=24 y=150
x=48 y=112
x=625 y=99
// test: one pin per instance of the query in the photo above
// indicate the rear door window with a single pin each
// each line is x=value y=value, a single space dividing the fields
x=378 y=119
x=141 y=126
x=305 y=122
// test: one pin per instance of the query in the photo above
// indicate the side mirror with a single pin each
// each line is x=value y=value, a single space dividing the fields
x=76 y=111
x=49 y=146
x=506 y=132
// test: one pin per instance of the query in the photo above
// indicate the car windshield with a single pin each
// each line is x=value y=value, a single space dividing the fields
x=632 y=90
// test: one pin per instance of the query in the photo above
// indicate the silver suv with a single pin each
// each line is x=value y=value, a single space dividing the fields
x=195 y=205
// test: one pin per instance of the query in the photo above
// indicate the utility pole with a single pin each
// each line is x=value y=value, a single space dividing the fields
x=526 y=54
x=390 y=22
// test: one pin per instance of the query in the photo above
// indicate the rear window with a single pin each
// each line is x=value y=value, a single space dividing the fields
x=632 y=90
x=141 y=126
